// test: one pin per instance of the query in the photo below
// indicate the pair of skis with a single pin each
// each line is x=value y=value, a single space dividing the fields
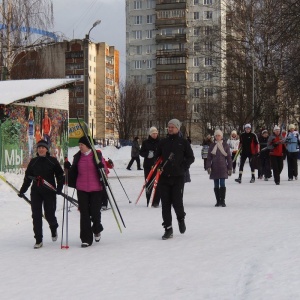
x=104 y=178
x=147 y=184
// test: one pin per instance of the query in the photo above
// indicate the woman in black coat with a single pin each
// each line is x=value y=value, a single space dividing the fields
x=147 y=151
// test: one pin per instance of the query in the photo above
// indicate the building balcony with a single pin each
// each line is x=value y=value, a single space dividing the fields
x=178 y=22
x=168 y=4
x=172 y=53
x=171 y=38
x=171 y=67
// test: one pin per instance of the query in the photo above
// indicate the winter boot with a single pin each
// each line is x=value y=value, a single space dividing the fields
x=222 y=196
x=239 y=180
x=217 y=193
x=182 y=227
x=168 y=233
x=252 y=178
x=38 y=244
x=54 y=235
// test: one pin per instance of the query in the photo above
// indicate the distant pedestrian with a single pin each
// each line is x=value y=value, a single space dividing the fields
x=292 y=145
x=277 y=149
x=264 y=157
x=219 y=166
x=233 y=142
x=135 y=154
x=148 y=149
x=250 y=147
x=205 y=146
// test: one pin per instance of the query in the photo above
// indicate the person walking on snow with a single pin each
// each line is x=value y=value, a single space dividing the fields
x=219 y=166
x=233 y=143
x=172 y=178
x=48 y=168
x=135 y=154
x=264 y=157
x=84 y=175
x=147 y=151
x=277 y=148
x=250 y=146
x=292 y=145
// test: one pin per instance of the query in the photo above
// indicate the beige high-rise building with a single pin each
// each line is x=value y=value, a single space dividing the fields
x=178 y=49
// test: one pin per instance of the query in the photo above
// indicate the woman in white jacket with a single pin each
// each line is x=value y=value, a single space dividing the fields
x=233 y=143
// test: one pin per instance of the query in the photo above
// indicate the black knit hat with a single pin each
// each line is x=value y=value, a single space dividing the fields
x=42 y=143
x=85 y=141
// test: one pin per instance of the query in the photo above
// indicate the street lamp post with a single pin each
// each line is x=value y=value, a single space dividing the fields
x=86 y=43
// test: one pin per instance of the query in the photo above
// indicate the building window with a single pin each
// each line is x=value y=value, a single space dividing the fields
x=207 y=2
x=208 y=92
x=196 y=93
x=139 y=49
x=149 y=64
x=208 y=76
x=196 y=15
x=208 y=61
x=196 y=77
x=149 y=34
x=208 y=30
x=149 y=79
x=149 y=49
x=197 y=46
x=149 y=19
x=208 y=45
x=196 y=108
x=150 y=4
x=208 y=15
x=196 y=62
x=138 y=20
x=197 y=31
x=137 y=34
x=149 y=94
x=137 y=64
x=137 y=5
x=196 y=2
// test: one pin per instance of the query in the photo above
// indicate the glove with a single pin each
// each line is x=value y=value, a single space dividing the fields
x=21 y=195
x=150 y=154
x=100 y=165
x=229 y=172
x=110 y=162
x=59 y=190
x=209 y=171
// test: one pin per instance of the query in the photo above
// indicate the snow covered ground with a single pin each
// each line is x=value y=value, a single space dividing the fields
x=246 y=251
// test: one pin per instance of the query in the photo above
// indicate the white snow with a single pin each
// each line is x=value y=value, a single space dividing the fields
x=246 y=251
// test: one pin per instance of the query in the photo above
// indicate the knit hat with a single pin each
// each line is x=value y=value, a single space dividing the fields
x=247 y=126
x=175 y=122
x=276 y=127
x=292 y=126
x=218 y=132
x=264 y=131
x=153 y=130
x=42 y=143
x=85 y=141
x=233 y=132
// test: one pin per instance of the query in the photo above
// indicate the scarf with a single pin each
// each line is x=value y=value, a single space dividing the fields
x=219 y=145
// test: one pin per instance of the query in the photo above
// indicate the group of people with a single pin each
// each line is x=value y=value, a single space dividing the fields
x=86 y=176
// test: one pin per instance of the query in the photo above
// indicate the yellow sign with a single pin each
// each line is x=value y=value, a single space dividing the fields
x=75 y=131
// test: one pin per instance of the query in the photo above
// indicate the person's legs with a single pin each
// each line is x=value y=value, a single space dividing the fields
x=37 y=214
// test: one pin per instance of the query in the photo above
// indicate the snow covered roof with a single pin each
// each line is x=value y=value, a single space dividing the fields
x=16 y=90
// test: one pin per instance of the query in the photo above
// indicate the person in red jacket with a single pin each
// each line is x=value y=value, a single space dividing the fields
x=277 y=149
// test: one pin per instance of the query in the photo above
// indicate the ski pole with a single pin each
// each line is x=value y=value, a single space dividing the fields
x=65 y=212
x=121 y=185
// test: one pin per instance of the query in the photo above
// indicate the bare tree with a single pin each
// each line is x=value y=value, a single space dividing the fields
x=20 y=23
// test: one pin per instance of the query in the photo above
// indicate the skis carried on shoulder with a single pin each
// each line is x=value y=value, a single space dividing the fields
x=104 y=178
x=237 y=154
x=157 y=176
x=14 y=188
x=147 y=180
x=49 y=186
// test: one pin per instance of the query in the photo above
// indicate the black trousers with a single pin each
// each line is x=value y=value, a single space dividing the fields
x=90 y=212
x=171 y=189
x=156 y=199
x=265 y=166
x=292 y=161
x=138 y=162
x=233 y=162
x=38 y=200
x=277 y=166
x=243 y=160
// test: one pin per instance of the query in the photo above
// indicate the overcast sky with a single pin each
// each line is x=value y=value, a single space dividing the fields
x=74 y=18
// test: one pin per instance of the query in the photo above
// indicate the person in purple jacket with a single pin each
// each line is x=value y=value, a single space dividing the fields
x=219 y=166
x=84 y=175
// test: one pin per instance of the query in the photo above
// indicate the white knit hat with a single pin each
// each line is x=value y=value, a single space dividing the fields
x=175 y=122
x=233 y=132
x=248 y=126
x=218 y=132
x=153 y=130
x=292 y=126
x=276 y=127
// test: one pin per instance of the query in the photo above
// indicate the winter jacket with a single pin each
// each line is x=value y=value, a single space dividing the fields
x=73 y=171
x=233 y=144
x=47 y=167
x=218 y=163
x=149 y=145
x=263 y=141
x=204 y=151
x=135 y=149
x=183 y=155
x=249 y=143
x=293 y=141
x=276 y=145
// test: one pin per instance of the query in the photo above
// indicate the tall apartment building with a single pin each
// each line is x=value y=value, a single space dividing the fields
x=95 y=65
x=177 y=48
